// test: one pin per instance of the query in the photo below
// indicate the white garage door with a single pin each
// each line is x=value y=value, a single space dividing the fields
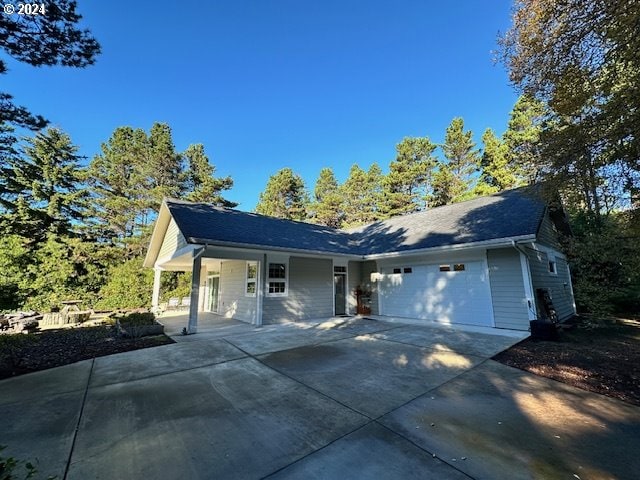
x=460 y=295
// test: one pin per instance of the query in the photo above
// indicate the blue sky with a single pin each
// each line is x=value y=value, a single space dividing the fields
x=272 y=84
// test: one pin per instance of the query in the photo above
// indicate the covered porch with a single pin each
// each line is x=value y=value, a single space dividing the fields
x=207 y=305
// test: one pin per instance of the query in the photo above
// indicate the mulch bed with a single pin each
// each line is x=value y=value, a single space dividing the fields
x=604 y=360
x=53 y=348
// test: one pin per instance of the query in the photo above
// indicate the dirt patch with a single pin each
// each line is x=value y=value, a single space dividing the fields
x=604 y=360
x=21 y=354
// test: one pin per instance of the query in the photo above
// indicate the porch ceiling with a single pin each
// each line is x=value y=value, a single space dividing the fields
x=184 y=263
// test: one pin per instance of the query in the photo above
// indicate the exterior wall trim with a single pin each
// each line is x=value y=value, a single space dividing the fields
x=528 y=286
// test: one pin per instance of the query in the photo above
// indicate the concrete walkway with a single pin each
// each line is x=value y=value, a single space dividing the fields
x=342 y=398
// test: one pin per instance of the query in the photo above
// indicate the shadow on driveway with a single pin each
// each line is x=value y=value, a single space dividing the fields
x=340 y=397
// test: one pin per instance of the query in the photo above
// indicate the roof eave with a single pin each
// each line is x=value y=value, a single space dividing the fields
x=155 y=243
x=271 y=248
x=496 y=242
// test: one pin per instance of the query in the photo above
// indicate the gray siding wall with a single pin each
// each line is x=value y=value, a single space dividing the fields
x=233 y=302
x=310 y=292
x=367 y=268
x=559 y=285
x=354 y=273
x=173 y=240
x=547 y=235
x=510 y=308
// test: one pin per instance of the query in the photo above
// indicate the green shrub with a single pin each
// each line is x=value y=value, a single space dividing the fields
x=138 y=319
x=9 y=467
x=605 y=265
x=129 y=286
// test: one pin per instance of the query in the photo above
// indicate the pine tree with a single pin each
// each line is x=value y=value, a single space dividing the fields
x=42 y=192
x=49 y=38
x=285 y=196
x=497 y=174
x=522 y=138
x=199 y=183
x=120 y=197
x=405 y=186
x=453 y=181
x=327 y=205
x=362 y=195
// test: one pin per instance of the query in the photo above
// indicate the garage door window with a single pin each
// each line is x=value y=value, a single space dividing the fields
x=458 y=267
x=445 y=268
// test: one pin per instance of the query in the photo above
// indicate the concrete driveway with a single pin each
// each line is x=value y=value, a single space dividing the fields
x=343 y=398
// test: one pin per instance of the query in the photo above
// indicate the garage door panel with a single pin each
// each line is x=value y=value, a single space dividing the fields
x=427 y=293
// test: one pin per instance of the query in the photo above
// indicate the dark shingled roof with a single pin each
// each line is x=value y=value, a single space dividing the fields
x=512 y=213
x=507 y=214
x=203 y=223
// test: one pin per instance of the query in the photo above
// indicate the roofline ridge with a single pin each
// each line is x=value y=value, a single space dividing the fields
x=438 y=207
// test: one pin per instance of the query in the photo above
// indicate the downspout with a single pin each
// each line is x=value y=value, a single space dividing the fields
x=526 y=278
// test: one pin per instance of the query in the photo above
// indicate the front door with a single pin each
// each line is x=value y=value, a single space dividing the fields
x=339 y=282
x=213 y=290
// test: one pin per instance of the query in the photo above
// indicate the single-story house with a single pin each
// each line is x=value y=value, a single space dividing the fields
x=479 y=262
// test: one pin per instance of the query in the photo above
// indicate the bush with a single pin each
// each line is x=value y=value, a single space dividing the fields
x=138 y=318
x=605 y=265
x=129 y=286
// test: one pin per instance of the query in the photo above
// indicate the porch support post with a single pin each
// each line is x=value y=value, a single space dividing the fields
x=262 y=281
x=155 y=297
x=195 y=293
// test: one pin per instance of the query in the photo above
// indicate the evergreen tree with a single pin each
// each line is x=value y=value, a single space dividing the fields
x=120 y=198
x=42 y=192
x=163 y=166
x=497 y=174
x=285 y=196
x=200 y=184
x=327 y=205
x=522 y=138
x=14 y=260
x=362 y=195
x=8 y=157
x=405 y=186
x=49 y=38
x=447 y=187
x=453 y=180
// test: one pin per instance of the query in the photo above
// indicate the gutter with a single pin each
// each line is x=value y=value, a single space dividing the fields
x=497 y=242
x=262 y=248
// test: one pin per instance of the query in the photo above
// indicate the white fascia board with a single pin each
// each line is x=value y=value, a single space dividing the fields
x=494 y=243
x=157 y=237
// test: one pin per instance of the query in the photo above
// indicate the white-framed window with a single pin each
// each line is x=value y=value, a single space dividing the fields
x=277 y=279
x=251 y=283
x=553 y=266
